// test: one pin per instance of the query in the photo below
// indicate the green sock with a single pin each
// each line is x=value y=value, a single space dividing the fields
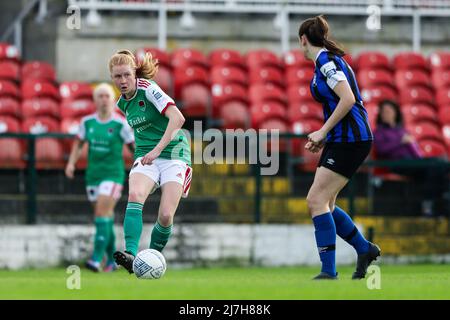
x=132 y=226
x=160 y=236
x=101 y=238
x=111 y=247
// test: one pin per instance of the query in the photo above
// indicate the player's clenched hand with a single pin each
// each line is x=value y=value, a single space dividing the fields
x=70 y=169
x=314 y=148
x=152 y=155
x=317 y=137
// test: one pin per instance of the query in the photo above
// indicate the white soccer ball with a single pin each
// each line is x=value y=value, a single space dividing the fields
x=149 y=264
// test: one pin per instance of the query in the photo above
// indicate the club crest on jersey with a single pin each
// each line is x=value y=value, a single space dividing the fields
x=110 y=131
x=142 y=105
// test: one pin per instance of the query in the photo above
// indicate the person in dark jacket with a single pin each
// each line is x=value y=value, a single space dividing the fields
x=393 y=142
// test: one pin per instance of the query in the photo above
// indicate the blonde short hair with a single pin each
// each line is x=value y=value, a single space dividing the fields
x=104 y=87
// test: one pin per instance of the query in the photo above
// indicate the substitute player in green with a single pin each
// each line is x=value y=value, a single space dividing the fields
x=162 y=156
x=105 y=132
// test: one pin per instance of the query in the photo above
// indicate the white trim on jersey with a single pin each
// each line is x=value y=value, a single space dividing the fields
x=126 y=132
x=156 y=95
x=82 y=127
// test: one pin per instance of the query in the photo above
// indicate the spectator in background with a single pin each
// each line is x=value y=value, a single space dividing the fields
x=393 y=142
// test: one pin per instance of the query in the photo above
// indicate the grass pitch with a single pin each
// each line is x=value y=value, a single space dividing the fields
x=292 y=283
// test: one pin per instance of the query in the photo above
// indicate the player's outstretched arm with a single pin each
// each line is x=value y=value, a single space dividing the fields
x=75 y=154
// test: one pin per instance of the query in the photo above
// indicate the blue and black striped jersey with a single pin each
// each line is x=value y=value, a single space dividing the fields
x=329 y=70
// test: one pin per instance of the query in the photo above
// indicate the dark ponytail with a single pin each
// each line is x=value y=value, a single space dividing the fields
x=316 y=31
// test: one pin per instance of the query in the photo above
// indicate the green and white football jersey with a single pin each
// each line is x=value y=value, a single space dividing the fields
x=145 y=114
x=105 y=140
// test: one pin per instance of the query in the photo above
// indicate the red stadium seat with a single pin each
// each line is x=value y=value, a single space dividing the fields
x=75 y=90
x=267 y=92
x=417 y=94
x=295 y=59
x=38 y=70
x=444 y=114
x=71 y=126
x=8 y=52
x=164 y=79
x=235 y=114
x=409 y=61
x=9 y=89
x=419 y=112
x=298 y=144
x=432 y=148
x=409 y=78
x=267 y=110
x=446 y=135
x=196 y=99
x=260 y=58
x=228 y=74
x=49 y=154
x=372 y=112
x=350 y=61
x=226 y=57
x=192 y=74
x=439 y=60
x=376 y=94
x=296 y=76
x=182 y=58
x=32 y=88
x=310 y=160
x=282 y=127
x=374 y=77
x=372 y=60
x=77 y=108
x=425 y=130
x=306 y=126
x=443 y=96
x=37 y=125
x=296 y=94
x=225 y=93
x=40 y=107
x=266 y=74
x=440 y=79
x=9 y=107
x=10 y=70
x=305 y=110
x=162 y=56
x=9 y=124
x=11 y=154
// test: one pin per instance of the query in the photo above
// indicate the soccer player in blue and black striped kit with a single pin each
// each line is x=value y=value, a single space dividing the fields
x=345 y=138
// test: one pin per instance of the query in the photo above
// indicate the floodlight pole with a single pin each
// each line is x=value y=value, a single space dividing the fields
x=416 y=31
x=162 y=26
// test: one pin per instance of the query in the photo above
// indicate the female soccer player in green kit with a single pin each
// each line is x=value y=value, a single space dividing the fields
x=105 y=133
x=162 y=156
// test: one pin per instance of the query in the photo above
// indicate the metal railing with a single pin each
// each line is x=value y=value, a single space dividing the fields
x=282 y=10
x=291 y=161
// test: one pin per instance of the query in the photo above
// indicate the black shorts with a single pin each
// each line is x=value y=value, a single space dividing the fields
x=344 y=157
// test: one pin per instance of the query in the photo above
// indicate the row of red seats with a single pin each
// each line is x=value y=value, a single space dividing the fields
x=51 y=153
x=37 y=88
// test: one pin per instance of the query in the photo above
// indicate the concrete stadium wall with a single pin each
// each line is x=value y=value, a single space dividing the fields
x=191 y=245
x=83 y=54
